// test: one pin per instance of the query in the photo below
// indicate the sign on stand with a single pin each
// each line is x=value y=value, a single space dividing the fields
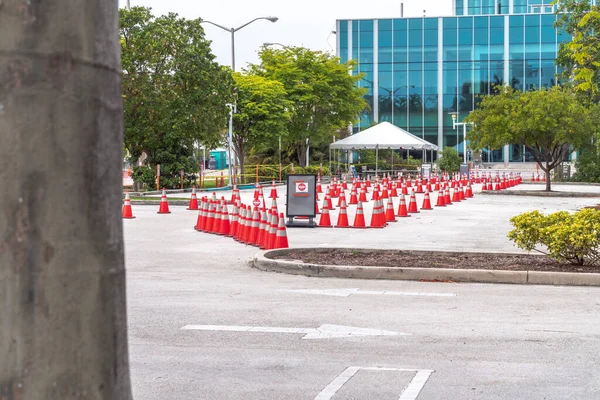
x=301 y=200
x=426 y=171
x=465 y=169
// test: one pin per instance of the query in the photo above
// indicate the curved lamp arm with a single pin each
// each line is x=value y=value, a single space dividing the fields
x=272 y=19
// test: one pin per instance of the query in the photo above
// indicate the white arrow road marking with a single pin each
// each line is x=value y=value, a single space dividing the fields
x=324 y=331
x=410 y=392
x=348 y=292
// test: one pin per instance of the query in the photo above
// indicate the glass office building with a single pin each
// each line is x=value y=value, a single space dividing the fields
x=418 y=70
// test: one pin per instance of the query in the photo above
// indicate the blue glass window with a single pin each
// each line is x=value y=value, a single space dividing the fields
x=474 y=7
x=487 y=7
x=343 y=38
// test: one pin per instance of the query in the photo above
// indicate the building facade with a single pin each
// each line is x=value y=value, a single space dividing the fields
x=418 y=70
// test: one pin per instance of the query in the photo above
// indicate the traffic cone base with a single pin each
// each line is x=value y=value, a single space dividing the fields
x=126 y=212
x=164 y=204
x=359 y=218
x=193 y=200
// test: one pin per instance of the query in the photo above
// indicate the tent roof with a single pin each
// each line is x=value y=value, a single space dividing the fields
x=383 y=136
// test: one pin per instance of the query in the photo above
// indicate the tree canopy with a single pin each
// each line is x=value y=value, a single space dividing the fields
x=581 y=56
x=262 y=113
x=174 y=93
x=550 y=123
x=323 y=94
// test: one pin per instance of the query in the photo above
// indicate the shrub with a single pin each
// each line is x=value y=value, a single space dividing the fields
x=588 y=167
x=568 y=237
x=450 y=160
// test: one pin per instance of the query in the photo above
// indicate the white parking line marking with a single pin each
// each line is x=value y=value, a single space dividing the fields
x=411 y=392
x=325 y=331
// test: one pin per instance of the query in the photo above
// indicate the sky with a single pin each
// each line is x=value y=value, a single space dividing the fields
x=305 y=23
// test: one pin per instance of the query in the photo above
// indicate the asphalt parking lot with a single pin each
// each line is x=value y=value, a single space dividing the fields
x=204 y=325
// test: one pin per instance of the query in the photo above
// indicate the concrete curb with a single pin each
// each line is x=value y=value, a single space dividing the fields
x=157 y=202
x=536 y=193
x=262 y=262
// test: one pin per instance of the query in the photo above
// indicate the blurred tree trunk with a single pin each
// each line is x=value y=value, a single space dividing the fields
x=63 y=325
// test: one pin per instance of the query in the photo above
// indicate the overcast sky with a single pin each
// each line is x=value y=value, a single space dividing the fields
x=301 y=23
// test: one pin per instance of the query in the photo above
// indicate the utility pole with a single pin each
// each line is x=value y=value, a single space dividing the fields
x=63 y=324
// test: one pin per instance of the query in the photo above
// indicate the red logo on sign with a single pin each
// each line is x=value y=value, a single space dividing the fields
x=301 y=186
x=256 y=202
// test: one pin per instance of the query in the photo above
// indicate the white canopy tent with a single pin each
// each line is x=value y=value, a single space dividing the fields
x=383 y=136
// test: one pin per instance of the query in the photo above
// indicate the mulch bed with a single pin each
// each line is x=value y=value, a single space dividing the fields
x=422 y=259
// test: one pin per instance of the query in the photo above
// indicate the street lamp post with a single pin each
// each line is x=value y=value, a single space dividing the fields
x=464 y=125
x=233 y=31
x=267 y=44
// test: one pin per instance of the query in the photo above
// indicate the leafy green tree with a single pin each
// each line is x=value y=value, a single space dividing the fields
x=450 y=160
x=581 y=56
x=262 y=113
x=587 y=167
x=550 y=123
x=323 y=93
x=174 y=93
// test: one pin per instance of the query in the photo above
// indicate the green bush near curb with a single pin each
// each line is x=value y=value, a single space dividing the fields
x=574 y=238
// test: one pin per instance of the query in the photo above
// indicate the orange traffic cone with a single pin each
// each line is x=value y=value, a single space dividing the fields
x=240 y=223
x=274 y=205
x=273 y=194
x=254 y=227
x=426 y=202
x=261 y=228
x=225 y=226
x=376 y=220
x=394 y=191
x=247 y=225
x=440 y=199
x=469 y=191
x=455 y=196
x=353 y=196
x=325 y=220
x=384 y=192
x=327 y=200
x=235 y=216
x=447 y=199
x=412 y=205
x=164 y=204
x=210 y=216
x=402 y=210
x=341 y=198
x=363 y=195
x=217 y=221
x=319 y=188
x=193 y=200
x=359 y=218
x=390 y=216
x=235 y=195
x=264 y=240
x=281 y=240
x=461 y=193
x=272 y=231
x=127 y=213
x=198 y=225
x=419 y=186
x=342 y=221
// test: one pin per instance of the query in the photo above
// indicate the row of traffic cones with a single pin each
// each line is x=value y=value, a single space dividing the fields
x=256 y=227
x=381 y=217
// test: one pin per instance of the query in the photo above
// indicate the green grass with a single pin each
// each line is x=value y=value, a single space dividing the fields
x=158 y=198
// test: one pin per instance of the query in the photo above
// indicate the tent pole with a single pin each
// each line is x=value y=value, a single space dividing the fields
x=376 y=160
x=392 y=162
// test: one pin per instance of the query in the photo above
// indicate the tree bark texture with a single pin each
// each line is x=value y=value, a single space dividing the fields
x=63 y=326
